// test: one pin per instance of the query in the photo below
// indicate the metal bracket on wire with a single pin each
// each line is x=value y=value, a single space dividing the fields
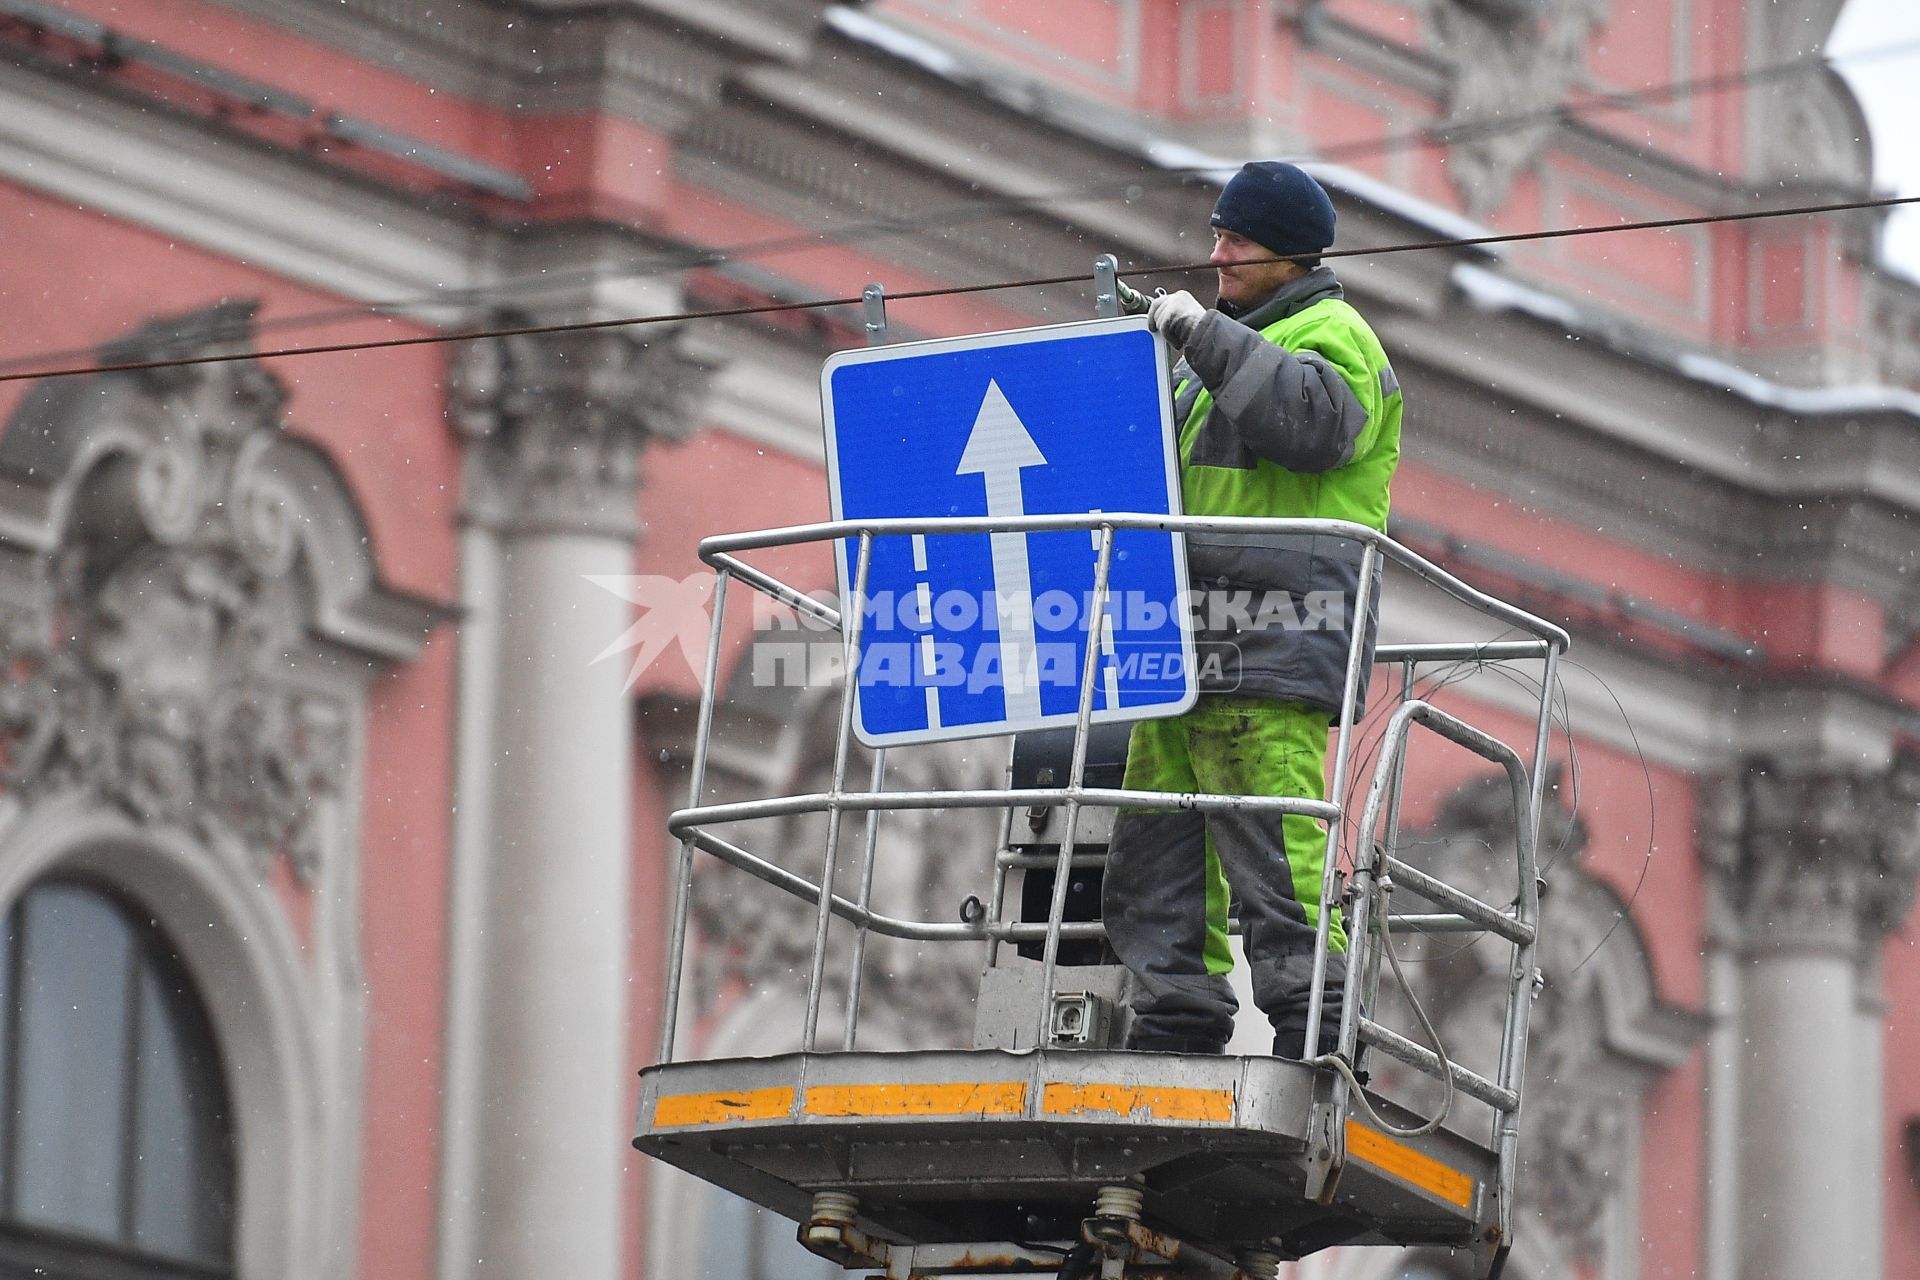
x=1106 y=287
x=873 y=300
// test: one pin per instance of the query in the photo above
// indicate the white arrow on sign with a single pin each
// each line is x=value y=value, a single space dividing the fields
x=997 y=448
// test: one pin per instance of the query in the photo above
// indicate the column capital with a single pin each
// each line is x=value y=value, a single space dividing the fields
x=1817 y=856
x=555 y=422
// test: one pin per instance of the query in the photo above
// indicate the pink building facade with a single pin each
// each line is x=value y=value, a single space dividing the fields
x=333 y=849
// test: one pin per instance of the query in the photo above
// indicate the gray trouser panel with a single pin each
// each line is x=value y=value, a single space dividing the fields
x=1156 y=920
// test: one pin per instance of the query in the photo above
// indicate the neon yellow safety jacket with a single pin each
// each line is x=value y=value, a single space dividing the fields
x=1292 y=410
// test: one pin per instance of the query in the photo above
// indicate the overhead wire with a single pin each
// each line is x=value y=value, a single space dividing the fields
x=945 y=291
x=1448 y=675
x=1571 y=112
x=1565 y=720
x=1646 y=862
x=652 y=267
x=1427 y=136
x=1371 y=737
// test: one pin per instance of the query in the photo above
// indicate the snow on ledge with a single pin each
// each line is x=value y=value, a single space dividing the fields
x=1490 y=291
x=1412 y=208
x=856 y=25
x=1163 y=153
x=1751 y=386
x=1486 y=289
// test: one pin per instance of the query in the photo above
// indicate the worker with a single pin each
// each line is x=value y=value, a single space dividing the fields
x=1287 y=407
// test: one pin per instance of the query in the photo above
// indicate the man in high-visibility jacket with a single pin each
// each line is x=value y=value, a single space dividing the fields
x=1287 y=407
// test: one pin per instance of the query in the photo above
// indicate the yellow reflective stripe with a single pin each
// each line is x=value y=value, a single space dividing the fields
x=1003 y=1098
x=1403 y=1162
x=1203 y=1106
x=679 y=1109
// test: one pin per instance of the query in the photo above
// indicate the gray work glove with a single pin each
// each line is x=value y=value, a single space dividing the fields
x=1173 y=315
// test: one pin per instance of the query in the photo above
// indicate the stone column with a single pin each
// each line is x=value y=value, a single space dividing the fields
x=1820 y=867
x=1869 y=1023
x=539 y=1058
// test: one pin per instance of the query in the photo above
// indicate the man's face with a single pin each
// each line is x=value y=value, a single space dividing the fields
x=1245 y=281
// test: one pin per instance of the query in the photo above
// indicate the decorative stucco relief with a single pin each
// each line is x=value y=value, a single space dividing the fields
x=1506 y=59
x=190 y=616
x=1598 y=1036
x=152 y=644
x=751 y=937
x=1818 y=856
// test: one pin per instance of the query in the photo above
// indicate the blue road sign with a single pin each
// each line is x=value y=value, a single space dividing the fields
x=966 y=635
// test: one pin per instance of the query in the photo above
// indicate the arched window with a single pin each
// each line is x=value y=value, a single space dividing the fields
x=116 y=1152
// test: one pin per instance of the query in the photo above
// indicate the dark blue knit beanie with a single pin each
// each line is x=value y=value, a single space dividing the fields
x=1277 y=206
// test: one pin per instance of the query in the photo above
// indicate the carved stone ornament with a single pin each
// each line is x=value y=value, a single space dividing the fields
x=1576 y=1141
x=1819 y=857
x=1806 y=129
x=926 y=863
x=1808 y=137
x=558 y=420
x=148 y=660
x=1506 y=58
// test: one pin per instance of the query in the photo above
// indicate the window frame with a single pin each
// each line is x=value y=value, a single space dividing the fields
x=153 y=960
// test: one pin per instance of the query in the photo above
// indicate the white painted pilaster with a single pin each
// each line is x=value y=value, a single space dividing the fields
x=539 y=1041
x=480 y=572
x=1869 y=1119
x=1817 y=867
x=1721 y=1103
x=553 y=1025
x=1797 y=1112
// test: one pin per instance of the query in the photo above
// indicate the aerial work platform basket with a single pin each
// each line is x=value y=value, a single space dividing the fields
x=1046 y=1148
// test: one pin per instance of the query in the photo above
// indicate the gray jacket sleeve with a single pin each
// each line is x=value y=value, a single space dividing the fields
x=1289 y=407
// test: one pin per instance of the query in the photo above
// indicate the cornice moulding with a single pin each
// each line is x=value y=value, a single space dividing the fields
x=1763 y=448
x=1577 y=472
x=499 y=53
x=237 y=199
x=951 y=141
